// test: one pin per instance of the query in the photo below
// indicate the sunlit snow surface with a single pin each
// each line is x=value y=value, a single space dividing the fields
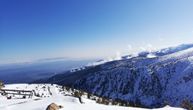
x=68 y=102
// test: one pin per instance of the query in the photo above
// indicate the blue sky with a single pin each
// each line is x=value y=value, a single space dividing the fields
x=35 y=29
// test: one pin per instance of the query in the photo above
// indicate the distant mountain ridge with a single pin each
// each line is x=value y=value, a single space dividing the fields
x=167 y=51
x=45 y=68
x=151 y=82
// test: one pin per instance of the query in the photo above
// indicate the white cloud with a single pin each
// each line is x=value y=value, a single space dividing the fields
x=150 y=47
x=118 y=55
x=143 y=49
x=129 y=47
x=147 y=47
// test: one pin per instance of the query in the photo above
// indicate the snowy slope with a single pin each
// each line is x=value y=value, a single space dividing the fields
x=58 y=97
x=151 y=81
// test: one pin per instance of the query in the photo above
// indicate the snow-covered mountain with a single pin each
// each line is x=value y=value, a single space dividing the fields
x=166 y=51
x=55 y=94
x=151 y=82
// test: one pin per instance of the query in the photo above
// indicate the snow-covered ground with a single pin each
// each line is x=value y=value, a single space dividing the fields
x=57 y=96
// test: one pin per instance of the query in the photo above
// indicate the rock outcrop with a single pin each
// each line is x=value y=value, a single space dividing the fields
x=54 y=106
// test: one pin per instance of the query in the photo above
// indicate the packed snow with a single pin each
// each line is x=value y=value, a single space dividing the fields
x=57 y=96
